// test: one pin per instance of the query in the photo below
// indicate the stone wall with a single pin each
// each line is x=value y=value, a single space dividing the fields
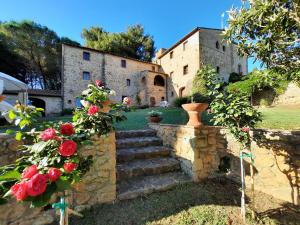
x=290 y=97
x=276 y=163
x=97 y=186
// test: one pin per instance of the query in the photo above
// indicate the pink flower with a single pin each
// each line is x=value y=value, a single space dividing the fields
x=19 y=190
x=127 y=101
x=93 y=110
x=70 y=166
x=67 y=148
x=29 y=172
x=67 y=129
x=99 y=83
x=53 y=174
x=246 y=129
x=48 y=134
x=37 y=185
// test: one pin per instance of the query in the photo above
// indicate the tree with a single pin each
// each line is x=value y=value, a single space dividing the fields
x=268 y=30
x=132 y=43
x=34 y=51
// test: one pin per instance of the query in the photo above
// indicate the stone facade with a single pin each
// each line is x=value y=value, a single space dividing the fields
x=195 y=49
x=97 y=186
x=177 y=66
x=276 y=162
x=126 y=79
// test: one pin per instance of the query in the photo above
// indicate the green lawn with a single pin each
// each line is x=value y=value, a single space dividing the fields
x=283 y=117
x=273 y=118
x=139 y=119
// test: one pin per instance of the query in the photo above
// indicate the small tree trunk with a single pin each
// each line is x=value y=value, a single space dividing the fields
x=243 y=207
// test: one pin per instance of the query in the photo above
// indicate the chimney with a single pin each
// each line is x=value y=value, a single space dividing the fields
x=160 y=52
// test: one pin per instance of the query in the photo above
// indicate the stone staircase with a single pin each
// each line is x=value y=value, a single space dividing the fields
x=144 y=165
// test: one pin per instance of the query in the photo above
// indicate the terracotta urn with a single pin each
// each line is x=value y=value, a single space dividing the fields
x=155 y=119
x=106 y=106
x=195 y=110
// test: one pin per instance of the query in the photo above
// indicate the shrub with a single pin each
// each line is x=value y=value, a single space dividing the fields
x=235 y=77
x=181 y=100
x=198 y=98
x=200 y=80
x=154 y=113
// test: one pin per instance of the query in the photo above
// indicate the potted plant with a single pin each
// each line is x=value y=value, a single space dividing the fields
x=199 y=103
x=155 y=116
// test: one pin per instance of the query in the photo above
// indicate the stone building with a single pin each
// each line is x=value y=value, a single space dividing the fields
x=170 y=75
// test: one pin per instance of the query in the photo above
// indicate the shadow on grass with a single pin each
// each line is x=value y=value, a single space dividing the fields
x=161 y=205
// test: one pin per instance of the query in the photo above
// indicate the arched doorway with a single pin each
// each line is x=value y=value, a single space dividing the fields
x=182 y=92
x=159 y=81
x=38 y=103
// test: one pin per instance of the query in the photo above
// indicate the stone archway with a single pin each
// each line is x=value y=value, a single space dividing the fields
x=159 y=81
x=182 y=92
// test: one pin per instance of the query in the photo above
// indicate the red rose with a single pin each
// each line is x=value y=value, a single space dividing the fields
x=245 y=129
x=29 y=172
x=48 y=134
x=93 y=110
x=99 y=83
x=37 y=184
x=67 y=129
x=19 y=190
x=70 y=166
x=67 y=148
x=53 y=174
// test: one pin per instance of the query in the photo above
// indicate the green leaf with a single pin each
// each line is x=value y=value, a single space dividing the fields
x=9 y=131
x=63 y=184
x=19 y=136
x=11 y=115
x=10 y=175
x=38 y=147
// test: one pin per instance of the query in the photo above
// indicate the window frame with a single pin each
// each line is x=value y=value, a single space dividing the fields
x=85 y=73
x=217 y=45
x=128 y=82
x=171 y=55
x=123 y=63
x=84 y=54
x=186 y=69
x=218 y=70
x=184 y=45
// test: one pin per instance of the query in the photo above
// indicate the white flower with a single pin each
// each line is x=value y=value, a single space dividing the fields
x=112 y=92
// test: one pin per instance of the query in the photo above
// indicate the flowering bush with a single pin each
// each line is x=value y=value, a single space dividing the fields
x=54 y=161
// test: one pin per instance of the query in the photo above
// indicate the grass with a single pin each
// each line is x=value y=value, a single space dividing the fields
x=283 y=117
x=139 y=119
x=212 y=202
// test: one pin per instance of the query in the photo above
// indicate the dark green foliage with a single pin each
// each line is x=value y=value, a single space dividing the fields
x=31 y=53
x=268 y=31
x=181 y=100
x=67 y=112
x=132 y=43
x=258 y=80
x=200 y=79
x=235 y=77
x=198 y=98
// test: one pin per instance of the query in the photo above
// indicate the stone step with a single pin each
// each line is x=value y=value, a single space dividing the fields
x=140 y=186
x=138 y=142
x=146 y=167
x=129 y=154
x=135 y=133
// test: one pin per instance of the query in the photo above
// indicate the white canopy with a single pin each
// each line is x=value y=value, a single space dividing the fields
x=9 y=83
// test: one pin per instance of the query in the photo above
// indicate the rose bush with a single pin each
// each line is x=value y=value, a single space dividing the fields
x=54 y=161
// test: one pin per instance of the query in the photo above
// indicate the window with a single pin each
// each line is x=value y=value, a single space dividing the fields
x=218 y=69
x=171 y=74
x=185 y=69
x=86 y=75
x=184 y=45
x=69 y=101
x=153 y=68
x=171 y=55
x=128 y=82
x=224 y=48
x=143 y=80
x=240 y=69
x=86 y=56
x=162 y=98
x=217 y=45
x=159 y=81
x=123 y=63
x=182 y=92
x=172 y=93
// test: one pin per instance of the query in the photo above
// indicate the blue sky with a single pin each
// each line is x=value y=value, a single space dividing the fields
x=166 y=20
